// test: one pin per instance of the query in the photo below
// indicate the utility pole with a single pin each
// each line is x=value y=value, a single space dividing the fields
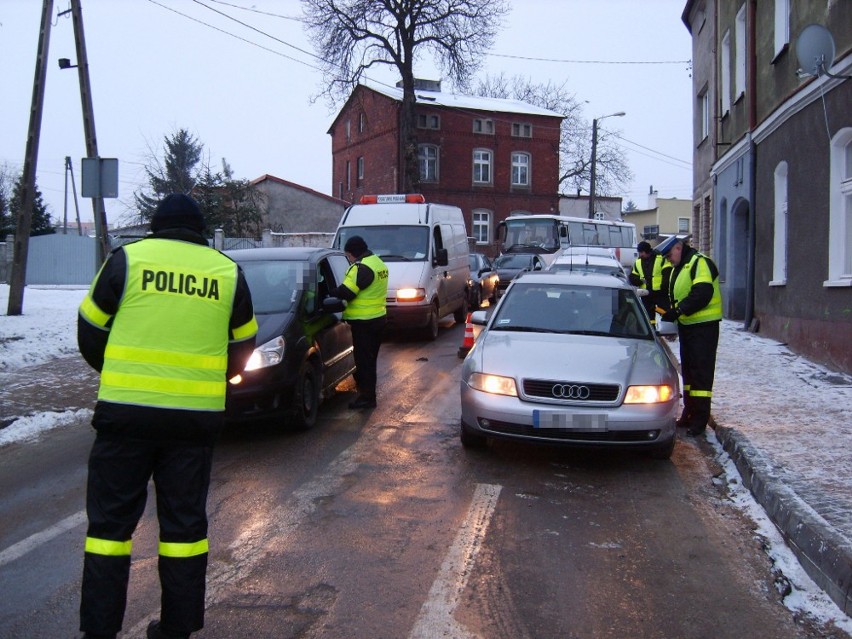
x=592 y=179
x=18 y=278
x=89 y=125
x=69 y=168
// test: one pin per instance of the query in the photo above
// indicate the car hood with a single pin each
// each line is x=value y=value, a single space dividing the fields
x=579 y=358
x=271 y=325
x=404 y=275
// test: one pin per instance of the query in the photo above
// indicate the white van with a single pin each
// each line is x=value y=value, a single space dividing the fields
x=425 y=248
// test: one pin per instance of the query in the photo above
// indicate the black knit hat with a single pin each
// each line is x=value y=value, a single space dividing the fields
x=356 y=246
x=177 y=211
x=643 y=247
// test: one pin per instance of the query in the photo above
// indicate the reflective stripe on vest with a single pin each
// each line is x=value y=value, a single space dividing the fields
x=683 y=285
x=372 y=301
x=168 y=346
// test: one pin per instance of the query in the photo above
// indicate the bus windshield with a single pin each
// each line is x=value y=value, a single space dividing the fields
x=533 y=235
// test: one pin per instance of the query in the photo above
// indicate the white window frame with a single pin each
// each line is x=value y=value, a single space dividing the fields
x=779 y=248
x=348 y=130
x=704 y=111
x=425 y=161
x=725 y=73
x=840 y=211
x=481 y=225
x=360 y=169
x=521 y=130
x=740 y=54
x=683 y=225
x=362 y=122
x=782 y=25
x=483 y=164
x=483 y=125
x=348 y=175
x=521 y=163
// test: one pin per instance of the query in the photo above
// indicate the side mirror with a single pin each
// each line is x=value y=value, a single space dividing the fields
x=333 y=305
x=666 y=329
x=441 y=258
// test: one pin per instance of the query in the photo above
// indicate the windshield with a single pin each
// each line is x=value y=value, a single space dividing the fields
x=531 y=236
x=393 y=243
x=275 y=285
x=573 y=309
x=512 y=261
x=582 y=267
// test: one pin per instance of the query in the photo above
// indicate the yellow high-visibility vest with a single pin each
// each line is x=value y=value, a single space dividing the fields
x=372 y=301
x=168 y=344
x=696 y=271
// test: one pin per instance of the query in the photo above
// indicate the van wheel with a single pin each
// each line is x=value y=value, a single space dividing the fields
x=460 y=314
x=430 y=333
x=306 y=397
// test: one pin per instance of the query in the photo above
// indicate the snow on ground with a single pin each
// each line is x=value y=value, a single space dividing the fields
x=776 y=410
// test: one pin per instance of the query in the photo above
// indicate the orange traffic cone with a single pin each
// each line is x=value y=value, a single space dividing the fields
x=467 y=343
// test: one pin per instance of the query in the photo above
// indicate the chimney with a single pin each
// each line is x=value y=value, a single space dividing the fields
x=652 y=198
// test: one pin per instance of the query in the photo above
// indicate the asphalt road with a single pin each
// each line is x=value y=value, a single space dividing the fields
x=380 y=525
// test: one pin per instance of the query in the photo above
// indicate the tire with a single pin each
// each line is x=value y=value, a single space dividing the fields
x=469 y=439
x=664 y=451
x=306 y=397
x=430 y=333
x=460 y=314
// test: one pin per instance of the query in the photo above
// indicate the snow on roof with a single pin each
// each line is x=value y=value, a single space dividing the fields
x=459 y=101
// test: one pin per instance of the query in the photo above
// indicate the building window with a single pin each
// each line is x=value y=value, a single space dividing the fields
x=481 y=219
x=520 y=169
x=348 y=176
x=683 y=225
x=428 y=121
x=427 y=155
x=740 y=54
x=481 y=166
x=704 y=114
x=362 y=123
x=360 y=169
x=725 y=71
x=483 y=125
x=779 y=252
x=521 y=130
x=782 y=25
x=348 y=130
x=840 y=211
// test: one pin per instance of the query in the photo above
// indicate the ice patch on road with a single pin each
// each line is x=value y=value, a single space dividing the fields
x=30 y=428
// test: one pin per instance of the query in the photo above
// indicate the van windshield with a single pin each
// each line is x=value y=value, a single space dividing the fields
x=392 y=243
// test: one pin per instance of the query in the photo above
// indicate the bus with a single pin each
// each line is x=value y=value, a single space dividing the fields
x=548 y=235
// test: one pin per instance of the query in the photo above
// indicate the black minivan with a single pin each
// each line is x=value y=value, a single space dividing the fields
x=302 y=351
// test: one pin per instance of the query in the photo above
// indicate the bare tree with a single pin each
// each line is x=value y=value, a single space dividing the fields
x=353 y=36
x=575 y=143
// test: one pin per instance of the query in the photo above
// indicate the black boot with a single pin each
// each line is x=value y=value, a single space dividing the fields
x=155 y=632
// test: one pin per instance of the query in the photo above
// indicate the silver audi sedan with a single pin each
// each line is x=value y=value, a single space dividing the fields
x=570 y=358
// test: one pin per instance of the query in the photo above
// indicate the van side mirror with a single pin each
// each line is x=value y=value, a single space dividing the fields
x=441 y=258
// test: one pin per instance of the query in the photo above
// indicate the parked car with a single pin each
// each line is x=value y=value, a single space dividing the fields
x=303 y=351
x=589 y=263
x=483 y=281
x=509 y=265
x=570 y=358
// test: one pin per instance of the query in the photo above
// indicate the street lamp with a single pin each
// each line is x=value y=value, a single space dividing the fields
x=595 y=159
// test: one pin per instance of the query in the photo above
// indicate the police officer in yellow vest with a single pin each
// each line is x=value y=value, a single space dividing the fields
x=365 y=289
x=166 y=321
x=696 y=306
x=647 y=273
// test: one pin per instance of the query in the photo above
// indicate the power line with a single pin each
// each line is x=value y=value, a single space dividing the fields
x=531 y=59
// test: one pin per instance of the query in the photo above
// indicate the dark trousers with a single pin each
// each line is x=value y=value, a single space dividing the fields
x=698 y=344
x=119 y=470
x=366 y=340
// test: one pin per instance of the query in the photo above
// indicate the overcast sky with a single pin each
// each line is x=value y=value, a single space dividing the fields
x=160 y=65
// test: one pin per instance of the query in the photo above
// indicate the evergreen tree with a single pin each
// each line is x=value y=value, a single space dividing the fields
x=176 y=173
x=6 y=223
x=41 y=222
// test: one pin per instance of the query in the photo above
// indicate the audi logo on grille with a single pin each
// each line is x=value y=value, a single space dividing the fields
x=570 y=391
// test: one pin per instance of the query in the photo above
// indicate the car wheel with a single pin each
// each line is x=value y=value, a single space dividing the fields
x=306 y=398
x=664 y=451
x=470 y=439
x=431 y=331
x=460 y=314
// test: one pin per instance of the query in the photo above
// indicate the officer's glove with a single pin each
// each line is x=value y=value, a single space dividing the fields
x=671 y=315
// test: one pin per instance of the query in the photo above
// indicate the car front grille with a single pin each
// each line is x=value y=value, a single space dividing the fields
x=562 y=390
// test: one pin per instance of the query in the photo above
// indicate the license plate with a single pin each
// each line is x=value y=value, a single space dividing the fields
x=568 y=421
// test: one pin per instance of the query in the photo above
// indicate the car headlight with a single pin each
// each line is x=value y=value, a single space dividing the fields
x=494 y=384
x=266 y=355
x=411 y=294
x=648 y=394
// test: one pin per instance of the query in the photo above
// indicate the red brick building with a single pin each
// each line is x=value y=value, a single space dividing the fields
x=490 y=157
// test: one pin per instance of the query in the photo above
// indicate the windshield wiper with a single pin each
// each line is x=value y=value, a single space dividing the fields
x=396 y=257
x=524 y=329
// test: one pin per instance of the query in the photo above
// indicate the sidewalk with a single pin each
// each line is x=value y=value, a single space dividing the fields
x=787 y=425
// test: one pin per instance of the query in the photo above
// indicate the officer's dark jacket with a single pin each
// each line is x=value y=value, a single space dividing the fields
x=145 y=422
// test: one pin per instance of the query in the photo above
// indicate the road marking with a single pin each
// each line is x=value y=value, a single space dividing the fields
x=436 y=616
x=33 y=541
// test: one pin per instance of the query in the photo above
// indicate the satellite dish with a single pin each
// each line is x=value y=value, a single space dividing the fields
x=815 y=50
